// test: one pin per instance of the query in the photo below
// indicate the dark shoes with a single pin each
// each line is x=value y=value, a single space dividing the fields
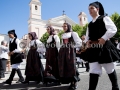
x=8 y=82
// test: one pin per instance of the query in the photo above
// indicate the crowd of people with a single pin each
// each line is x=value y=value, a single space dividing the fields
x=94 y=49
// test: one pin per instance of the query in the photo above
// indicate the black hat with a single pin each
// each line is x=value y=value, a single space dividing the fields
x=98 y=5
x=12 y=32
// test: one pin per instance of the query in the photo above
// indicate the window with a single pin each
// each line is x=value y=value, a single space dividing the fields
x=36 y=7
x=80 y=19
x=84 y=19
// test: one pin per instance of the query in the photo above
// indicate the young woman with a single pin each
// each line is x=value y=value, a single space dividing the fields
x=51 y=68
x=101 y=52
x=67 y=59
x=15 y=57
x=34 y=68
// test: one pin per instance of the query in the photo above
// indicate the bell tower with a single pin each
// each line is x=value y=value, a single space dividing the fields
x=35 y=9
x=82 y=19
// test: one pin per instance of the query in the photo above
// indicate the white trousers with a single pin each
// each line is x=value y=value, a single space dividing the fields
x=16 y=66
x=96 y=68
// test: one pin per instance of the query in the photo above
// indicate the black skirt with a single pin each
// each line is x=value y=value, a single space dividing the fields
x=16 y=58
x=107 y=54
x=34 y=70
x=67 y=65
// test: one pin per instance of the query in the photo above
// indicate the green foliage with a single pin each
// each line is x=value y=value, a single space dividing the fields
x=84 y=29
x=60 y=33
x=77 y=29
x=44 y=37
x=116 y=19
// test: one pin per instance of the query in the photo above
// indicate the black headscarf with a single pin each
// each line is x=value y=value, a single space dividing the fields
x=69 y=27
x=34 y=36
x=12 y=32
x=100 y=6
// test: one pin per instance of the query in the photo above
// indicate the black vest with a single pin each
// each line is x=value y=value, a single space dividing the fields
x=96 y=29
x=12 y=45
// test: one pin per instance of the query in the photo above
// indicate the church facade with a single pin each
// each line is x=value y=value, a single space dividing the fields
x=38 y=25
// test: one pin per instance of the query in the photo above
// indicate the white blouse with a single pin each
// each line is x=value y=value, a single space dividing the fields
x=76 y=38
x=40 y=45
x=56 y=38
x=110 y=27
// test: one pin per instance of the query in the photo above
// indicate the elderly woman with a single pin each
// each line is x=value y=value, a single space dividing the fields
x=3 y=58
x=34 y=68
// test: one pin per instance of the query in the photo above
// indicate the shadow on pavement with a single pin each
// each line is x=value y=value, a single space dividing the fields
x=32 y=85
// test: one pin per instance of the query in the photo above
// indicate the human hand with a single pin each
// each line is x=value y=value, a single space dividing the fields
x=101 y=41
x=11 y=53
x=88 y=44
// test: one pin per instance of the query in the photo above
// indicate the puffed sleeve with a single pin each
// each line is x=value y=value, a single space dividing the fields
x=57 y=40
x=110 y=27
x=40 y=47
x=77 y=40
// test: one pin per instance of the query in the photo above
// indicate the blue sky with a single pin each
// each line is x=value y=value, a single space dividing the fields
x=15 y=13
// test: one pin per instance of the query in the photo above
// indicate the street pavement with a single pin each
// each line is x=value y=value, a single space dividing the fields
x=103 y=84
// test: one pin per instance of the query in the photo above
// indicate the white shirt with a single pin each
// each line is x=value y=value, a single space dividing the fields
x=4 y=52
x=40 y=45
x=56 y=38
x=17 y=41
x=110 y=27
x=76 y=38
x=118 y=46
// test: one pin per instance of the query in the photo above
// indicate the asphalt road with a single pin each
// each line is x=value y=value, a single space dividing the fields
x=103 y=84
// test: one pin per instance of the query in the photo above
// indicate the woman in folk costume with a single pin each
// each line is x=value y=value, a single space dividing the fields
x=67 y=67
x=15 y=57
x=34 y=69
x=51 y=68
x=101 y=52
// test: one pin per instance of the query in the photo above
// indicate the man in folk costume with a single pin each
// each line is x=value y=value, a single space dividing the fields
x=15 y=57
x=101 y=52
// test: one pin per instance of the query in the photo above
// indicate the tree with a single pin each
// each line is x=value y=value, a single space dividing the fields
x=116 y=19
x=44 y=38
x=84 y=29
x=77 y=29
